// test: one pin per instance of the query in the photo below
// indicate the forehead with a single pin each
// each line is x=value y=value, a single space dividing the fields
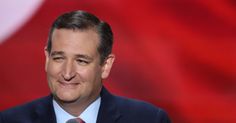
x=75 y=41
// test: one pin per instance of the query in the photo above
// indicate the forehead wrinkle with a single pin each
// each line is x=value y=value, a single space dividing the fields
x=72 y=49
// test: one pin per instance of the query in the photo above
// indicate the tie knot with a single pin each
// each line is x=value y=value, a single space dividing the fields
x=75 y=120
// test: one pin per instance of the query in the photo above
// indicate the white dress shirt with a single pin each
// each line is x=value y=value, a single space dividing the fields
x=89 y=115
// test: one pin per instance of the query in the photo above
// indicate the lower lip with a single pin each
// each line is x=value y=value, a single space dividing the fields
x=68 y=85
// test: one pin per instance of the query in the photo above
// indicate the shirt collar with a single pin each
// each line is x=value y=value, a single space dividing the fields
x=89 y=115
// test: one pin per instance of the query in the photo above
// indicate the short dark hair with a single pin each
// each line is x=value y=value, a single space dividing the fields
x=82 y=20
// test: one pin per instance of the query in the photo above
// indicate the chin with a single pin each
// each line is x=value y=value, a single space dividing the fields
x=65 y=98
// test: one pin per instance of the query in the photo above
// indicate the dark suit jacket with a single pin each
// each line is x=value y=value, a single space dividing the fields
x=113 y=109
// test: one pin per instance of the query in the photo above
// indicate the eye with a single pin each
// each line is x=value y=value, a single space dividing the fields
x=58 y=59
x=82 y=62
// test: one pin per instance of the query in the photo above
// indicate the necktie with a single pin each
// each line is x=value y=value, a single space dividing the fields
x=75 y=120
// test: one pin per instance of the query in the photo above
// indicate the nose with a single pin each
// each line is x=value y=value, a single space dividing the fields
x=68 y=72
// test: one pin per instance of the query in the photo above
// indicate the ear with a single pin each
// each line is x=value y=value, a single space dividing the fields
x=47 y=58
x=107 y=65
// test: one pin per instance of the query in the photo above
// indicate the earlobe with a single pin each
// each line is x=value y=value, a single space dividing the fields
x=107 y=66
x=46 y=57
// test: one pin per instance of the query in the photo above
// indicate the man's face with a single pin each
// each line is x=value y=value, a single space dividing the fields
x=73 y=67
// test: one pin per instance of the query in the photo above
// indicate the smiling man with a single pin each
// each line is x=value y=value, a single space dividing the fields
x=78 y=57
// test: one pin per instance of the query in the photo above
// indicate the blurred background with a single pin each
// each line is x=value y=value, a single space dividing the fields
x=177 y=54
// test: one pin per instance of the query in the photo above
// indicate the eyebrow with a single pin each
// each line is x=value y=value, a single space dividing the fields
x=57 y=53
x=77 y=56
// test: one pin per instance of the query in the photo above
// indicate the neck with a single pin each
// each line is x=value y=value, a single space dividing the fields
x=75 y=108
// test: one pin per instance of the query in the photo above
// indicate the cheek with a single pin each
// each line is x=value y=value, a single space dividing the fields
x=90 y=75
x=53 y=68
x=53 y=71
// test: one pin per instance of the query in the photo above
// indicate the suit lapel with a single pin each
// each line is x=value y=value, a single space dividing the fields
x=108 y=112
x=44 y=111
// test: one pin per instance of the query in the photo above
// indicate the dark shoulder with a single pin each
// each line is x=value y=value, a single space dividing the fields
x=132 y=110
x=141 y=109
x=135 y=105
x=24 y=110
x=28 y=105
